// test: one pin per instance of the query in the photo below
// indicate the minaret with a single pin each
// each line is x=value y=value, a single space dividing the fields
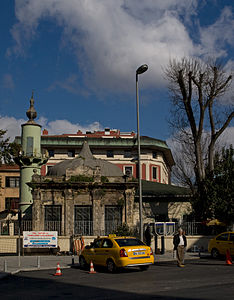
x=30 y=158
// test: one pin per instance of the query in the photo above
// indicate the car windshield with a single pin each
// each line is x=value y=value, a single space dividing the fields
x=129 y=242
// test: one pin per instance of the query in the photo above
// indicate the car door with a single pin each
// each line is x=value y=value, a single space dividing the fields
x=97 y=251
x=107 y=247
x=222 y=243
x=93 y=253
x=231 y=242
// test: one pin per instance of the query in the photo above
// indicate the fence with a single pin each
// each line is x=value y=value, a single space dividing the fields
x=190 y=228
x=53 y=226
x=26 y=225
x=11 y=227
x=85 y=228
x=199 y=228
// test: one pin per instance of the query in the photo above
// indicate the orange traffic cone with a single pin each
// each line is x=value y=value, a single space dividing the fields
x=228 y=258
x=58 y=271
x=91 y=268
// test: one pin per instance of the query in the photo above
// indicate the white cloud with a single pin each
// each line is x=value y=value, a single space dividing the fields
x=64 y=126
x=13 y=126
x=227 y=138
x=112 y=38
x=216 y=37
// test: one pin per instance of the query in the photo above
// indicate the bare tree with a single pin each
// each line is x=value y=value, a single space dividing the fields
x=198 y=116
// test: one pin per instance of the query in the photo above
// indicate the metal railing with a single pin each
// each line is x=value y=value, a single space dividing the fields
x=190 y=228
x=83 y=228
x=197 y=228
x=11 y=227
x=53 y=226
x=86 y=228
x=26 y=225
x=5 y=227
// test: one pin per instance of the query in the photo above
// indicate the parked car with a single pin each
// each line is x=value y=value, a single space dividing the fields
x=221 y=243
x=117 y=252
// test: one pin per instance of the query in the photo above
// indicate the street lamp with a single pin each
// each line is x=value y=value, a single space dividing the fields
x=140 y=70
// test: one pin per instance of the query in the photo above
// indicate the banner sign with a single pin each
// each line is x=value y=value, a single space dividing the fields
x=40 y=239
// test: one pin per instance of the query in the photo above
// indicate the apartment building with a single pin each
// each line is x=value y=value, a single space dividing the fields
x=9 y=187
x=117 y=147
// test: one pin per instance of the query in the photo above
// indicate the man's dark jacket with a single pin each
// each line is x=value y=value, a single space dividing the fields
x=176 y=241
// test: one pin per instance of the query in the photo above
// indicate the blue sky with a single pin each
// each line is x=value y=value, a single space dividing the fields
x=80 y=58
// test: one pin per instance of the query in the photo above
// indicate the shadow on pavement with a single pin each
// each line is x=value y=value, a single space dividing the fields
x=21 y=287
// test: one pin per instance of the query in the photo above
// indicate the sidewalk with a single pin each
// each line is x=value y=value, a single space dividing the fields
x=10 y=264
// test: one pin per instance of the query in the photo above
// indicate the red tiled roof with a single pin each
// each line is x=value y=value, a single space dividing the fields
x=95 y=134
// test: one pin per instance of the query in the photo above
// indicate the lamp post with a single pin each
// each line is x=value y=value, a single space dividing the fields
x=140 y=70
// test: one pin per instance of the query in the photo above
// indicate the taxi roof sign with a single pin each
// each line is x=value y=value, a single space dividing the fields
x=111 y=235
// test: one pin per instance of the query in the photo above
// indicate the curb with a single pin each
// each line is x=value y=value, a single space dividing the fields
x=6 y=274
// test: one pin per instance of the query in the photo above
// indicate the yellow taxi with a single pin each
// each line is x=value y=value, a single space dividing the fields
x=221 y=243
x=117 y=252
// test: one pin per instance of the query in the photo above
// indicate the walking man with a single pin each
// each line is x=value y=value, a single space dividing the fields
x=180 y=243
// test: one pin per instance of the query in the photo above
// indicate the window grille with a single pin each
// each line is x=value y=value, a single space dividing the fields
x=113 y=218
x=83 y=223
x=12 y=181
x=53 y=218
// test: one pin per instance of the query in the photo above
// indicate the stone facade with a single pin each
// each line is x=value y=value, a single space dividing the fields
x=162 y=211
x=48 y=191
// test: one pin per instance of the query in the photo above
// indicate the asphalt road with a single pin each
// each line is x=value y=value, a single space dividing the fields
x=200 y=279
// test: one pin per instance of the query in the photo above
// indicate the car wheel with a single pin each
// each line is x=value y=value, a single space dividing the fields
x=214 y=253
x=144 y=268
x=83 y=263
x=111 y=266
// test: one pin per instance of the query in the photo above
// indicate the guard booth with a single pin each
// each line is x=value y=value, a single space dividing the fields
x=162 y=229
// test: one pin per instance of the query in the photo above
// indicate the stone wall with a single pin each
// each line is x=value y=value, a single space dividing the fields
x=68 y=195
x=170 y=210
x=8 y=244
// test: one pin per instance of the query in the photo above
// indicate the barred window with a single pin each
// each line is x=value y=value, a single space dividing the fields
x=83 y=215
x=12 y=182
x=53 y=218
x=113 y=218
